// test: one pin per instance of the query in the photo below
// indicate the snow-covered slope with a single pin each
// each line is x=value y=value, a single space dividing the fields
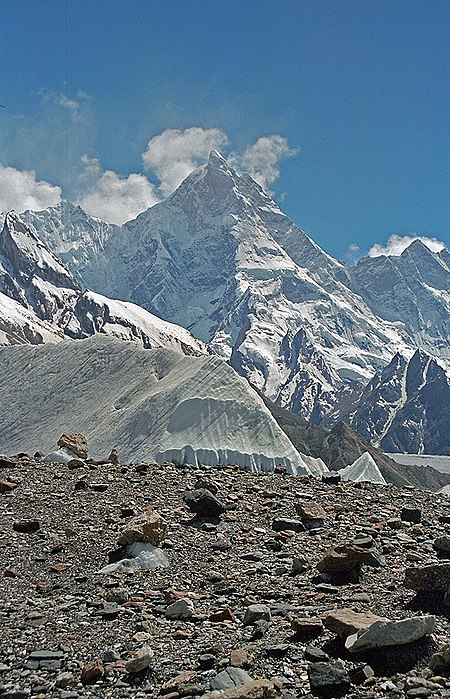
x=220 y=258
x=405 y=408
x=19 y=325
x=364 y=469
x=148 y=403
x=74 y=236
x=413 y=287
x=40 y=301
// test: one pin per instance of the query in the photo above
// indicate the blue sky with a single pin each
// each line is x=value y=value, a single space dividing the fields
x=352 y=93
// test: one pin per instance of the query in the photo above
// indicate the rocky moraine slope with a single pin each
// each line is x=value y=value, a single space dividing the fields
x=265 y=585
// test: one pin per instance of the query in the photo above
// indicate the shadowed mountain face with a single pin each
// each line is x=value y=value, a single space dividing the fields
x=341 y=446
x=405 y=407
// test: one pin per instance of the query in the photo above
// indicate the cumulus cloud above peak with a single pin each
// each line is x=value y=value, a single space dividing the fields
x=260 y=159
x=174 y=153
x=21 y=190
x=397 y=244
x=170 y=156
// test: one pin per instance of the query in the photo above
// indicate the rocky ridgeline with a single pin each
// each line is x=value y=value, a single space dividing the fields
x=174 y=581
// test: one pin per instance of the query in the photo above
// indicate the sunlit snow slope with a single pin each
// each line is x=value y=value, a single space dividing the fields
x=40 y=300
x=148 y=403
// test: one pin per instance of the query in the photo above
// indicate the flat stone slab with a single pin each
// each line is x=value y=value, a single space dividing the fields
x=346 y=621
x=390 y=633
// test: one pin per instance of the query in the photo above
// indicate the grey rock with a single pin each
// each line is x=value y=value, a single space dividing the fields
x=229 y=678
x=328 y=679
x=181 y=609
x=204 y=503
x=141 y=660
x=390 y=633
x=286 y=523
x=256 y=612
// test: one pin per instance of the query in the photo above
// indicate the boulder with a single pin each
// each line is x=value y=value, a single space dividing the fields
x=181 y=609
x=434 y=577
x=92 y=672
x=280 y=524
x=311 y=514
x=342 y=559
x=255 y=612
x=141 y=660
x=345 y=622
x=76 y=443
x=7 y=486
x=328 y=679
x=138 y=556
x=440 y=661
x=442 y=545
x=204 y=503
x=147 y=527
x=240 y=657
x=229 y=678
x=390 y=633
x=307 y=628
x=27 y=526
x=299 y=565
x=411 y=514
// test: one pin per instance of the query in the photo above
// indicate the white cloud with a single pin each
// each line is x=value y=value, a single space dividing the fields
x=352 y=252
x=117 y=199
x=173 y=154
x=397 y=244
x=78 y=107
x=20 y=190
x=261 y=159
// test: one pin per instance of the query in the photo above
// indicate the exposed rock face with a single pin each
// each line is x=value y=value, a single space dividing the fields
x=403 y=409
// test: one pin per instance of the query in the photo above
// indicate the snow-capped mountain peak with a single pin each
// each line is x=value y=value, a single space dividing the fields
x=220 y=258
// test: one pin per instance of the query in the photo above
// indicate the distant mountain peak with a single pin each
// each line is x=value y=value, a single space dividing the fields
x=216 y=158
